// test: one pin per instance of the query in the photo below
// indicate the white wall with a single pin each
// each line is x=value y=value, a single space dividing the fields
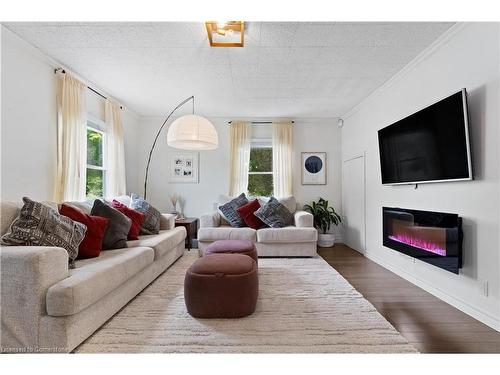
x=28 y=122
x=28 y=125
x=309 y=135
x=467 y=57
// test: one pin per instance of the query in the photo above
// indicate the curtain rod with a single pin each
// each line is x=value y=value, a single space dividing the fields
x=90 y=88
x=261 y=122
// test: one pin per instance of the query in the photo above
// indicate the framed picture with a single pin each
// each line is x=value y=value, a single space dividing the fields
x=184 y=167
x=314 y=168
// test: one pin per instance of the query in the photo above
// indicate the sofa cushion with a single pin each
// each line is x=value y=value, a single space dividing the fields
x=212 y=220
x=151 y=223
x=93 y=278
x=289 y=202
x=91 y=245
x=230 y=213
x=118 y=227
x=8 y=212
x=223 y=199
x=226 y=232
x=123 y=199
x=40 y=225
x=136 y=217
x=274 y=214
x=85 y=206
x=167 y=221
x=303 y=219
x=161 y=243
x=288 y=234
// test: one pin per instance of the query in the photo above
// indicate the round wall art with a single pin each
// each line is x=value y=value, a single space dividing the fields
x=314 y=168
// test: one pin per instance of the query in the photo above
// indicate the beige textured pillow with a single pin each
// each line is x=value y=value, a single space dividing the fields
x=9 y=211
x=289 y=203
x=85 y=206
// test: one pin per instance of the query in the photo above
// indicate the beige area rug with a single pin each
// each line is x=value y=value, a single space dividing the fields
x=304 y=306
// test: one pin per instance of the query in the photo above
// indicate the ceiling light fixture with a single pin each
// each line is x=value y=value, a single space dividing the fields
x=225 y=33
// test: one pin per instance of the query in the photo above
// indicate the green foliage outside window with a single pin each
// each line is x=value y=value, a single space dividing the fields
x=260 y=184
x=94 y=148
x=261 y=160
x=95 y=177
x=94 y=183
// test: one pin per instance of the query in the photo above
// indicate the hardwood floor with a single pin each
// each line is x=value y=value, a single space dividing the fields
x=431 y=325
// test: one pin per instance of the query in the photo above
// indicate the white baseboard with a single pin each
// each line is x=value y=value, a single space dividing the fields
x=478 y=314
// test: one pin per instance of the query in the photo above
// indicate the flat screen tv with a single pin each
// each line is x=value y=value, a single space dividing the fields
x=431 y=145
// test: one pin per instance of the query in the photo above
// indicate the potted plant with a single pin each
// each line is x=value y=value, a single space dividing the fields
x=324 y=217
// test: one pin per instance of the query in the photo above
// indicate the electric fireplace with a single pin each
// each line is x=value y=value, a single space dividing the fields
x=432 y=237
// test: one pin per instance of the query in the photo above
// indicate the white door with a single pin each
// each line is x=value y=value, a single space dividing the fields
x=353 y=205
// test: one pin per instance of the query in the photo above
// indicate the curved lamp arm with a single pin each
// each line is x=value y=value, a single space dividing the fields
x=156 y=138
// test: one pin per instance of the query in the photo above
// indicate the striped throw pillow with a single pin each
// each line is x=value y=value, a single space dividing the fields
x=230 y=213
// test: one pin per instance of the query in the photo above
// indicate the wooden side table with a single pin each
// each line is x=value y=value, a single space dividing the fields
x=191 y=225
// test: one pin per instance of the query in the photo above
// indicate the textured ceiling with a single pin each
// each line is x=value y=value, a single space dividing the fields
x=292 y=69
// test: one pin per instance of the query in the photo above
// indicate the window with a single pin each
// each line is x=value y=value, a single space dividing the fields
x=96 y=163
x=260 y=174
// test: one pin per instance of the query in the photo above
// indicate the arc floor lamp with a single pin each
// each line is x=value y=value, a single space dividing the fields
x=189 y=132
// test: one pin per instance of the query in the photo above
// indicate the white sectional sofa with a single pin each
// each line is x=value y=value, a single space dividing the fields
x=297 y=240
x=47 y=307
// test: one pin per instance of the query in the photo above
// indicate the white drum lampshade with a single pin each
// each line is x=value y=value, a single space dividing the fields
x=192 y=132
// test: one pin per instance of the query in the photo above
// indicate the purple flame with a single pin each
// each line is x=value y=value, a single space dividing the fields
x=419 y=243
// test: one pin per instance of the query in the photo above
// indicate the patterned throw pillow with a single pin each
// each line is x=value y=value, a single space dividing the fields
x=230 y=213
x=40 y=225
x=151 y=223
x=274 y=214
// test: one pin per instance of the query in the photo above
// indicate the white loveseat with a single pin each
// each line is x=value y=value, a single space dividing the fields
x=47 y=307
x=297 y=240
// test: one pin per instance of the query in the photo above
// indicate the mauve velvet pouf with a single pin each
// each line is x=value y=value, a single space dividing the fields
x=244 y=247
x=221 y=286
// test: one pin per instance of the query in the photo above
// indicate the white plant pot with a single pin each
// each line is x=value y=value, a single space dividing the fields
x=326 y=239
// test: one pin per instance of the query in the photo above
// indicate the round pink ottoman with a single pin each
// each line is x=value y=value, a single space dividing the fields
x=221 y=286
x=244 y=247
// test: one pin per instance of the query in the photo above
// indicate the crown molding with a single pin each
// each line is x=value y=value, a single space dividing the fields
x=422 y=56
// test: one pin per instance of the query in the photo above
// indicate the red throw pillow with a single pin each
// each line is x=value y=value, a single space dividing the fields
x=136 y=217
x=246 y=213
x=91 y=245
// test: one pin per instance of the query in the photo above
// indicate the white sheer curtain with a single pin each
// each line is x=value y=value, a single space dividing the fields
x=115 y=151
x=71 y=168
x=240 y=135
x=282 y=158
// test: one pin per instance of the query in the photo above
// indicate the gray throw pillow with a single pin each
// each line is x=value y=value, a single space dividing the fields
x=115 y=236
x=274 y=214
x=151 y=223
x=40 y=225
x=230 y=213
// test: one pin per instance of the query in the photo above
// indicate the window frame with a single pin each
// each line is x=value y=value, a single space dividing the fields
x=260 y=144
x=98 y=126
